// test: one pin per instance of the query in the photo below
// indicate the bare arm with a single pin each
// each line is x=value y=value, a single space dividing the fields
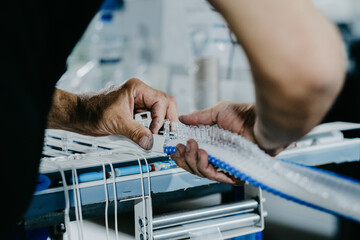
x=298 y=66
x=64 y=112
x=297 y=61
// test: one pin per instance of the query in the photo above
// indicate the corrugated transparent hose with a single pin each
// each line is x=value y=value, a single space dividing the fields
x=234 y=154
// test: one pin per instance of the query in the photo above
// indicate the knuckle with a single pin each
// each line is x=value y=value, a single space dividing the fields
x=132 y=81
x=222 y=104
x=161 y=100
x=172 y=100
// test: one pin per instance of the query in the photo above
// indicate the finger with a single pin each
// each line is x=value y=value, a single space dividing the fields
x=209 y=171
x=191 y=156
x=158 y=113
x=206 y=116
x=139 y=134
x=171 y=112
x=238 y=181
x=153 y=100
x=160 y=104
x=179 y=158
x=166 y=107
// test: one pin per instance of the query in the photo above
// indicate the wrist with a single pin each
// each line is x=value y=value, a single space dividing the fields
x=88 y=114
x=62 y=114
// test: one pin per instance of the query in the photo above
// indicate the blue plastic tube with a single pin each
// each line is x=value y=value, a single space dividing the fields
x=124 y=171
x=91 y=176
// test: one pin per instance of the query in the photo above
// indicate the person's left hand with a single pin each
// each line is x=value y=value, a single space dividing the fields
x=236 y=117
x=112 y=110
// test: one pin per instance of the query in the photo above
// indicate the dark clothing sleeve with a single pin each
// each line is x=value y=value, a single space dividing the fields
x=347 y=108
x=36 y=39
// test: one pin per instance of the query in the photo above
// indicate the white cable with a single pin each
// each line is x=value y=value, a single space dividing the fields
x=77 y=198
x=115 y=199
x=106 y=201
x=80 y=205
x=114 y=186
x=77 y=201
x=146 y=211
x=77 y=195
x=106 y=196
x=67 y=200
x=100 y=154
x=142 y=194
x=67 y=204
x=76 y=204
x=142 y=184
x=149 y=214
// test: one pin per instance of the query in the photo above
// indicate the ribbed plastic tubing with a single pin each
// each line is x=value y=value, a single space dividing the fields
x=232 y=153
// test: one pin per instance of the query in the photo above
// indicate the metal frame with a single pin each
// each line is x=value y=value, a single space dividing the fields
x=45 y=209
x=232 y=219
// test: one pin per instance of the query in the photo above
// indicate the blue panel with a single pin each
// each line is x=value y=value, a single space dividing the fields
x=45 y=203
x=253 y=236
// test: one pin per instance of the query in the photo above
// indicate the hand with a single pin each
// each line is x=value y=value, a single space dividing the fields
x=111 y=111
x=235 y=117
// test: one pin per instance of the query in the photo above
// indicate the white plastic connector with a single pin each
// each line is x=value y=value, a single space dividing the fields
x=144 y=118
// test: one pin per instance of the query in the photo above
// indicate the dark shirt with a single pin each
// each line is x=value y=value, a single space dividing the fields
x=35 y=41
x=347 y=108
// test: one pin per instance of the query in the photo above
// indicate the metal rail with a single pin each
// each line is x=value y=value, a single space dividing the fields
x=223 y=224
x=203 y=214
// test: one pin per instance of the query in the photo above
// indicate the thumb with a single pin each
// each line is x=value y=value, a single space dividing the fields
x=139 y=134
x=205 y=116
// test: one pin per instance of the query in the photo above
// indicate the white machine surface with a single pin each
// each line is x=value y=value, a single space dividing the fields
x=72 y=156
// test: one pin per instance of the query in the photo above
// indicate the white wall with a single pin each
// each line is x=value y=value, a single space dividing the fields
x=336 y=10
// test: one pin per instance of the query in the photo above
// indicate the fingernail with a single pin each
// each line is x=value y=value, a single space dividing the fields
x=146 y=142
x=187 y=149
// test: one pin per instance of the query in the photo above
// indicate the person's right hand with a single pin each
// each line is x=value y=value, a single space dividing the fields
x=235 y=117
x=111 y=111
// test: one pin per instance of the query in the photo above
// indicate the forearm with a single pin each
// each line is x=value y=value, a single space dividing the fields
x=68 y=112
x=297 y=61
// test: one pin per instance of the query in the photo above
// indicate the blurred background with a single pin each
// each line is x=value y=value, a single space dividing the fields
x=185 y=48
x=175 y=46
